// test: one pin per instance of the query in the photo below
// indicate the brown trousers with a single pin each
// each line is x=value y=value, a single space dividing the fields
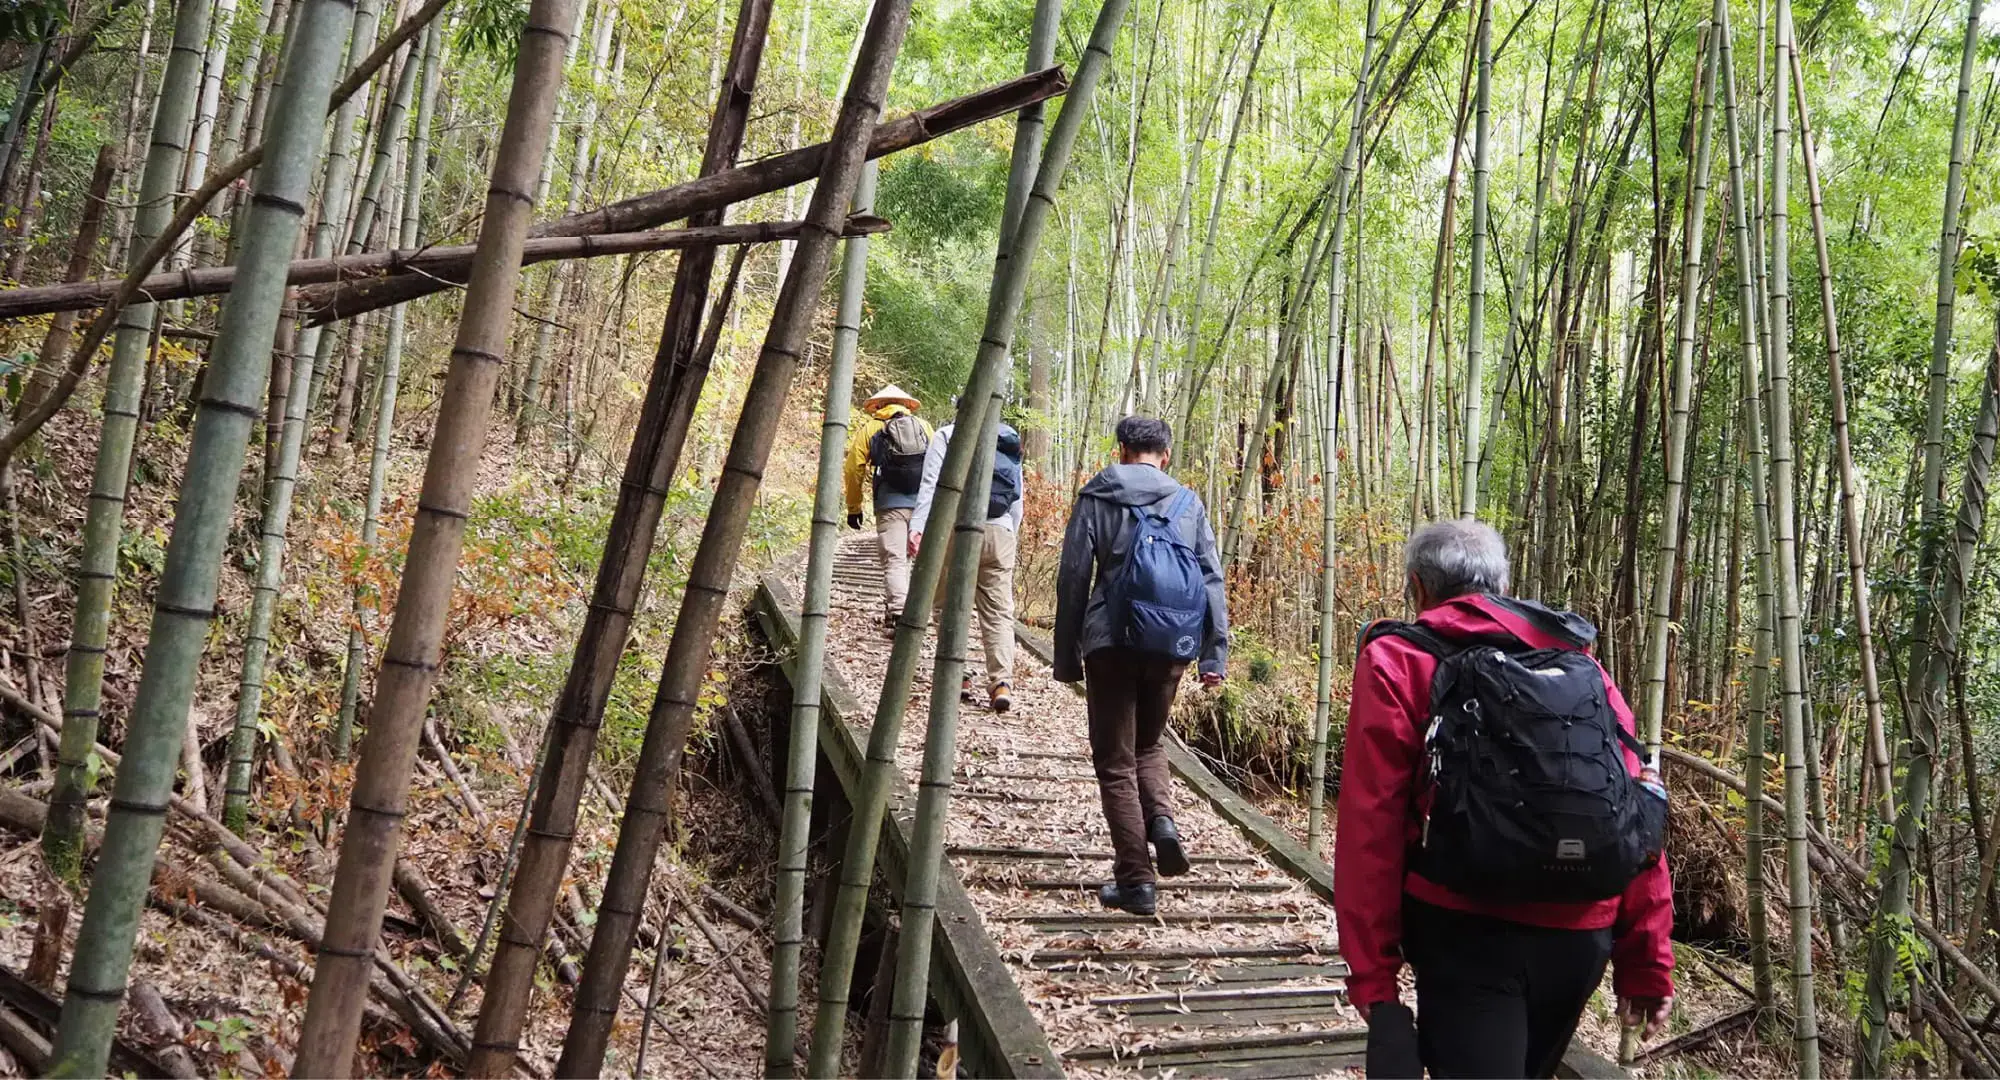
x=1131 y=696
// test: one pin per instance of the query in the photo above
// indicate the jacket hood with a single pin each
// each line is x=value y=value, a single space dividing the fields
x=1533 y=624
x=1131 y=485
x=893 y=409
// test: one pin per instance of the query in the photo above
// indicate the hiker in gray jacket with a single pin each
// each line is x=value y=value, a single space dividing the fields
x=1131 y=691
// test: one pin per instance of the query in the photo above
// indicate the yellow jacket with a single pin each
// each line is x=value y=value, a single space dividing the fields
x=858 y=469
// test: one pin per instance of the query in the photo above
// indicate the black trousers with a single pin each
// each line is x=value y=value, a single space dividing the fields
x=1497 y=998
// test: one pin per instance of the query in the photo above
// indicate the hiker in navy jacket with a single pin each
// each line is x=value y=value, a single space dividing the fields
x=1131 y=693
x=1500 y=986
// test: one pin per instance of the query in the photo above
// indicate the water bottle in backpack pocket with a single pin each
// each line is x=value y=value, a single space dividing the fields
x=1158 y=595
x=1531 y=800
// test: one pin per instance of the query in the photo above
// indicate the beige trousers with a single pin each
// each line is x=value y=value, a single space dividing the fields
x=892 y=532
x=993 y=601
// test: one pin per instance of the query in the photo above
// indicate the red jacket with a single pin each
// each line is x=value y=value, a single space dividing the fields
x=1379 y=818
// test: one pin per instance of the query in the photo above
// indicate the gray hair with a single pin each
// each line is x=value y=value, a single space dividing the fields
x=1457 y=556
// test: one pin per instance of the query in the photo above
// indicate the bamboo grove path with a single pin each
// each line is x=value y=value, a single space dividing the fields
x=1238 y=975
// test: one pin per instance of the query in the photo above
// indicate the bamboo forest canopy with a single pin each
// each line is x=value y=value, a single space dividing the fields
x=399 y=397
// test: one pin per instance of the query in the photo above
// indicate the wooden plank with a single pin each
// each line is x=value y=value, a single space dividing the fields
x=1236 y=993
x=1062 y=884
x=1002 y=851
x=1142 y=956
x=1308 y=1058
x=1266 y=1068
x=1330 y=1036
x=1089 y=920
x=1001 y=1036
x=1003 y=796
x=1228 y=1018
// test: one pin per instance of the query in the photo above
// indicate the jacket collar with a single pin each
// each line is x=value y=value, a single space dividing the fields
x=1530 y=623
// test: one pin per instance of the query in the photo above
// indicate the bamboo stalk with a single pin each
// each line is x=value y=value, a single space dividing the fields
x=1475 y=328
x=686 y=664
x=409 y=663
x=794 y=838
x=184 y=608
x=1003 y=305
x=724 y=188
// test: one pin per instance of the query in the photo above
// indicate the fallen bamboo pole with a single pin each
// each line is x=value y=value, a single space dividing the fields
x=330 y=303
x=448 y=263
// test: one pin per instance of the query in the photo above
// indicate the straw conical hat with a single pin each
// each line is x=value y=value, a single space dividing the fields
x=891 y=395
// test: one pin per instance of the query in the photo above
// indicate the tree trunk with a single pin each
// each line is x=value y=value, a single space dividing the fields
x=83 y=255
x=686 y=664
x=671 y=391
x=97 y=570
x=409 y=663
x=184 y=608
x=1003 y=305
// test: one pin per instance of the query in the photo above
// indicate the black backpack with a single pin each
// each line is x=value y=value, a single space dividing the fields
x=1006 y=472
x=897 y=453
x=1531 y=801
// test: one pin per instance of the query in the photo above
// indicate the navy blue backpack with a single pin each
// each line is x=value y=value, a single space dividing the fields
x=1158 y=597
x=1006 y=487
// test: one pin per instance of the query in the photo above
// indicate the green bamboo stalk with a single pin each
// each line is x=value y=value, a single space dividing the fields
x=1667 y=564
x=410 y=661
x=1791 y=649
x=1758 y=705
x=709 y=574
x=185 y=606
x=387 y=381
x=1857 y=555
x=794 y=839
x=1475 y=328
x=879 y=774
x=1350 y=164
x=97 y=569
x=279 y=489
x=927 y=834
x=1892 y=907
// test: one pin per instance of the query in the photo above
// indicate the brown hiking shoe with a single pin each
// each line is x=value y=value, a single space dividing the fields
x=1003 y=698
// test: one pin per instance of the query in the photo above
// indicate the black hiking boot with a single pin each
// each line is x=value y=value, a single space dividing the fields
x=1140 y=899
x=1168 y=856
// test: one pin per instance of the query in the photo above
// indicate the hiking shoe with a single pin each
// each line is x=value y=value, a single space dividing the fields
x=889 y=621
x=1003 y=699
x=1168 y=855
x=965 y=689
x=1140 y=899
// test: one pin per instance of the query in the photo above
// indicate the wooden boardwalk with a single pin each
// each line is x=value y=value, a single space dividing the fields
x=1238 y=975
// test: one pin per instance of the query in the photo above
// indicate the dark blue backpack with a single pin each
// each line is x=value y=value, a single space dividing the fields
x=1006 y=487
x=1158 y=598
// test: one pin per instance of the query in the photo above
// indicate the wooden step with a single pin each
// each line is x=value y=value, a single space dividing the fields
x=1110 y=957
x=1065 y=884
x=1291 y=993
x=1324 y=1039
x=986 y=851
x=1074 y=920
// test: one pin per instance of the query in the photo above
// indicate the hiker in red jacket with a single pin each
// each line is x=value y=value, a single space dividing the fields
x=1501 y=979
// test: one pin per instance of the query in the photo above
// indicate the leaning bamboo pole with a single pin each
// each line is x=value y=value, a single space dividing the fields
x=1757 y=706
x=104 y=520
x=429 y=261
x=686 y=664
x=722 y=189
x=1920 y=725
x=1350 y=165
x=879 y=772
x=1475 y=328
x=184 y=608
x=794 y=837
x=410 y=661
x=1666 y=567
x=1850 y=503
x=672 y=387
x=926 y=863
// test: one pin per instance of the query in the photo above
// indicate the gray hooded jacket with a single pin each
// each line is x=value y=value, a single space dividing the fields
x=1100 y=533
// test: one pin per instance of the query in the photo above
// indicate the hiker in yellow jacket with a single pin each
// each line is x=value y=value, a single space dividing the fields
x=887 y=449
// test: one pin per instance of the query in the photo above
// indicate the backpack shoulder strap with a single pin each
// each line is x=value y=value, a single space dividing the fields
x=1423 y=637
